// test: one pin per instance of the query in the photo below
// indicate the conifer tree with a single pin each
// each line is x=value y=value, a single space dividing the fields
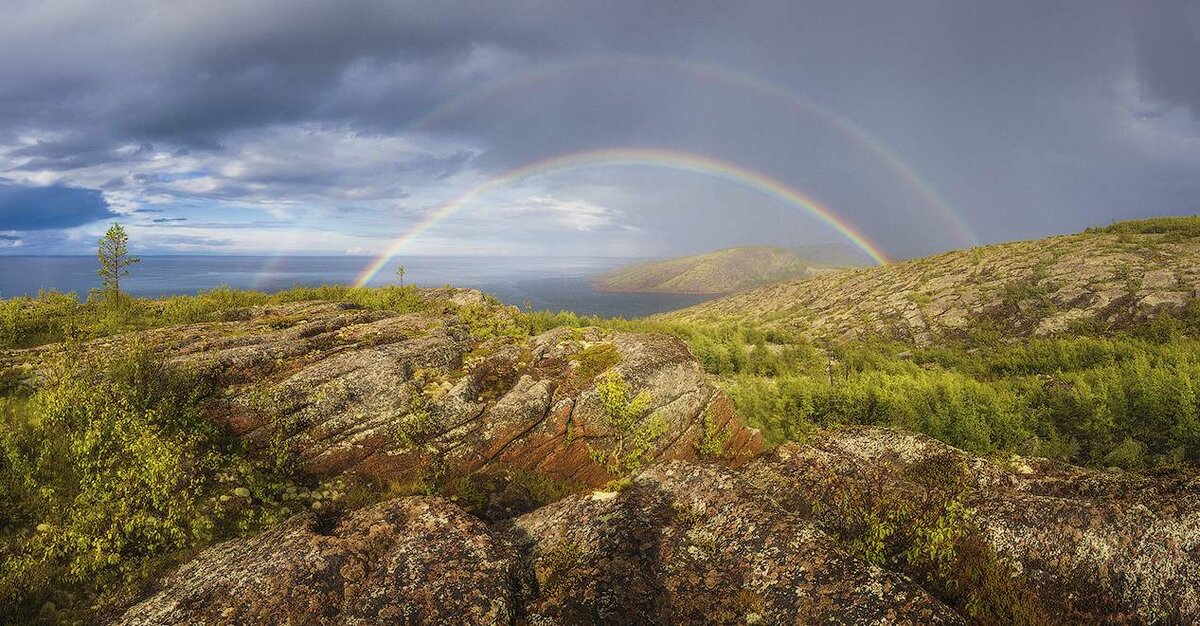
x=115 y=260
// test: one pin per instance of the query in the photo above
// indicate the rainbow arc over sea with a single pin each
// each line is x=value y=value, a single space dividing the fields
x=646 y=157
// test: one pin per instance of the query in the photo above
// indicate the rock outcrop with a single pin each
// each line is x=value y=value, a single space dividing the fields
x=684 y=543
x=693 y=544
x=419 y=397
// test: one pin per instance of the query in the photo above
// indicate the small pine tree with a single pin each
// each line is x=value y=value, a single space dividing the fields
x=115 y=260
x=400 y=274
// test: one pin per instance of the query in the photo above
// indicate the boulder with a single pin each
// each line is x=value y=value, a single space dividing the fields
x=686 y=543
x=683 y=543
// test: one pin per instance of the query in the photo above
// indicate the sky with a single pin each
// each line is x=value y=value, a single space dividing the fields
x=614 y=128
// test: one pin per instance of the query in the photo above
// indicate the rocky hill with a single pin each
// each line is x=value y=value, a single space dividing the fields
x=442 y=464
x=723 y=271
x=1106 y=277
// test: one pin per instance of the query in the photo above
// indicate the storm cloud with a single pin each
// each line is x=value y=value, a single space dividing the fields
x=925 y=125
x=52 y=207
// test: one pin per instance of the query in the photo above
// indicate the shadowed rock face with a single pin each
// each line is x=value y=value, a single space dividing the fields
x=1074 y=545
x=415 y=396
x=692 y=544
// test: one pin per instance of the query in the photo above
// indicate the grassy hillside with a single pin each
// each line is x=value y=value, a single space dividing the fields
x=723 y=271
x=1106 y=277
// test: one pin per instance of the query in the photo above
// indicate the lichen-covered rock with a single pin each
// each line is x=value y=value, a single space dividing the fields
x=1033 y=537
x=685 y=543
x=407 y=561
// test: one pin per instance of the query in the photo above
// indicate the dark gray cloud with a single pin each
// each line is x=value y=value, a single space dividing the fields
x=1023 y=118
x=45 y=208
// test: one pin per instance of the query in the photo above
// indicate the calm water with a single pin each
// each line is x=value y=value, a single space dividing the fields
x=543 y=283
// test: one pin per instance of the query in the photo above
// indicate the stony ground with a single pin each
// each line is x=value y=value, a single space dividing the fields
x=1017 y=289
x=697 y=543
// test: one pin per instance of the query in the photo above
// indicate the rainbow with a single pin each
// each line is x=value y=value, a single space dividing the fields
x=652 y=157
x=844 y=125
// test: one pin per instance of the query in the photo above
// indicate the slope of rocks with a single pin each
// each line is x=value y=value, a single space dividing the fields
x=1024 y=288
x=780 y=540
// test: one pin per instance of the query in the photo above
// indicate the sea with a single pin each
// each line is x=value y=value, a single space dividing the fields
x=533 y=283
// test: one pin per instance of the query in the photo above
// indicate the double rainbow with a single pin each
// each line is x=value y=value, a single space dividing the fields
x=621 y=64
x=652 y=157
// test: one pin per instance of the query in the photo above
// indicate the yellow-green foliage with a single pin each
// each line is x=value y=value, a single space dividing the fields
x=913 y=520
x=474 y=493
x=558 y=568
x=593 y=361
x=713 y=440
x=1129 y=400
x=633 y=434
x=106 y=474
x=419 y=425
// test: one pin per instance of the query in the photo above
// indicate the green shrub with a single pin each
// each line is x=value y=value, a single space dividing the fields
x=107 y=473
x=633 y=433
